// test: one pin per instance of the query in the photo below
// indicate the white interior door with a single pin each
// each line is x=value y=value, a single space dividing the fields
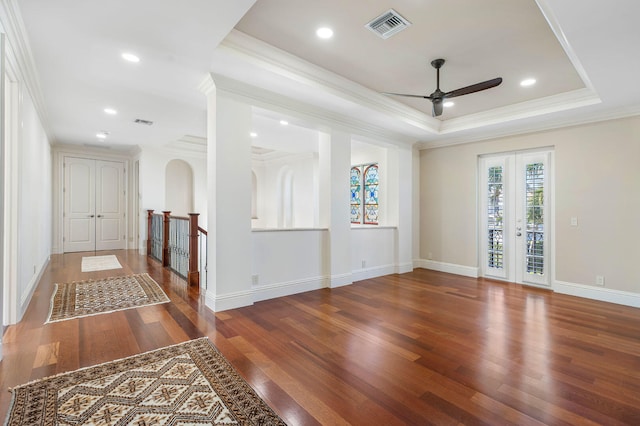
x=515 y=237
x=79 y=204
x=94 y=211
x=110 y=212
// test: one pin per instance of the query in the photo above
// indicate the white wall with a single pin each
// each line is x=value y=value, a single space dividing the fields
x=29 y=169
x=269 y=174
x=373 y=251
x=153 y=163
x=596 y=180
x=288 y=261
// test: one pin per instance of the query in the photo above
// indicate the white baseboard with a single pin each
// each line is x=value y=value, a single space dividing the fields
x=31 y=288
x=602 y=294
x=340 y=280
x=271 y=291
x=451 y=268
x=376 y=271
x=403 y=268
x=228 y=301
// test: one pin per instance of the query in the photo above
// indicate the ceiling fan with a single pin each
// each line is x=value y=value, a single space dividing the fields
x=438 y=96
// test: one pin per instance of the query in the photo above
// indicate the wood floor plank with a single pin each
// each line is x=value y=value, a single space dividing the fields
x=422 y=348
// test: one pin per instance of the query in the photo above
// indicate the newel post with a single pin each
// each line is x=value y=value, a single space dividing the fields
x=149 y=231
x=193 y=276
x=165 y=238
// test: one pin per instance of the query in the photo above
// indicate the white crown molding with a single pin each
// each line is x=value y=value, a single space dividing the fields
x=188 y=144
x=275 y=102
x=289 y=66
x=21 y=49
x=555 y=103
x=550 y=124
x=551 y=19
x=281 y=63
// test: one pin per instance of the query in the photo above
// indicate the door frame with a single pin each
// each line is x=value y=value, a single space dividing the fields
x=59 y=154
x=510 y=275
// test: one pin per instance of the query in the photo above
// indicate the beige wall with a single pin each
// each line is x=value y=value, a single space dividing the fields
x=597 y=180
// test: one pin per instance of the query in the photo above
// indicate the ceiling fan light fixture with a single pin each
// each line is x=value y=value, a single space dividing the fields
x=102 y=135
x=528 y=82
x=448 y=104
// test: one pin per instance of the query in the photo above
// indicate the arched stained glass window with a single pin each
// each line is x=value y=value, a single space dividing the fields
x=356 y=198
x=364 y=194
x=371 y=182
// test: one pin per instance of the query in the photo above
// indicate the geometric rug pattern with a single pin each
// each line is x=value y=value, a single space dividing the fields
x=186 y=384
x=91 y=297
x=99 y=263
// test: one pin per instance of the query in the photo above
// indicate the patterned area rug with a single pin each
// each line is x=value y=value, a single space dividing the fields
x=92 y=297
x=186 y=384
x=99 y=263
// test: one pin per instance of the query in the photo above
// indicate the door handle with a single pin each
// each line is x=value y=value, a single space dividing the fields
x=518 y=234
x=91 y=215
x=100 y=215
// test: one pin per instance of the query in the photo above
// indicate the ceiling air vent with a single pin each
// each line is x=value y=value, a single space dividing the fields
x=141 y=121
x=388 y=24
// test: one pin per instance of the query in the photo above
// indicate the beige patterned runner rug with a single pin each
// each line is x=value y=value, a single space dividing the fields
x=91 y=297
x=99 y=263
x=186 y=384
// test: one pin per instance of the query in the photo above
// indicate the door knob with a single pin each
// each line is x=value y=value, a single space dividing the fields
x=100 y=215
x=518 y=234
x=91 y=215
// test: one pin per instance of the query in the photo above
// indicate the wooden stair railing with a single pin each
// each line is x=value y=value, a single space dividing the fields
x=192 y=274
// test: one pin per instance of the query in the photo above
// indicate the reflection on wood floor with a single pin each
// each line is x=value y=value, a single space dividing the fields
x=417 y=348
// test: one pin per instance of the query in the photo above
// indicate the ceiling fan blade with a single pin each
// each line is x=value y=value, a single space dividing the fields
x=411 y=96
x=473 y=88
x=437 y=107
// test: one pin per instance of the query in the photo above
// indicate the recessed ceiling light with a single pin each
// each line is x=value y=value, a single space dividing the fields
x=110 y=111
x=528 y=82
x=253 y=134
x=102 y=135
x=284 y=122
x=130 y=57
x=324 y=32
x=448 y=104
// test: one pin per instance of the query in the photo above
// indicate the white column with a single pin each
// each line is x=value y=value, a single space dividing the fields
x=404 y=260
x=229 y=201
x=335 y=164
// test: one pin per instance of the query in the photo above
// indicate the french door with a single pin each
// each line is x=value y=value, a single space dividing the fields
x=94 y=205
x=515 y=237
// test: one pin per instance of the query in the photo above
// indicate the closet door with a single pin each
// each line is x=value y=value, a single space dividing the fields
x=94 y=205
x=79 y=204
x=110 y=211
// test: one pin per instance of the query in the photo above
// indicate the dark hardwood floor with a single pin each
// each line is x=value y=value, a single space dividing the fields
x=418 y=348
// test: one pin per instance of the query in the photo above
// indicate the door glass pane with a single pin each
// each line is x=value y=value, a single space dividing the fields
x=534 y=180
x=495 y=218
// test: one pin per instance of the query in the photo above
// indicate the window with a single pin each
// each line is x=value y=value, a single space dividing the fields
x=364 y=185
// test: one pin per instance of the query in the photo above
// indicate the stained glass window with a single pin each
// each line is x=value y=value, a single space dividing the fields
x=364 y=186
x=356 y=198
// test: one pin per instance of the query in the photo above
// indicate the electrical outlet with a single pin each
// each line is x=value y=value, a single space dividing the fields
x=599 y=280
